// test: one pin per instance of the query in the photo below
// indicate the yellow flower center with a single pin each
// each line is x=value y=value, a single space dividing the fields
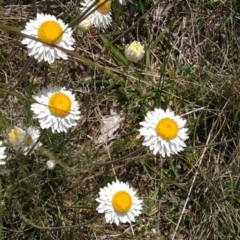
x=60 y=104
x=167 y=128
x=136 y=46
x=122 y=201
x=104 y=8
x=13 y=134
x=50 y=31
x=28 y=140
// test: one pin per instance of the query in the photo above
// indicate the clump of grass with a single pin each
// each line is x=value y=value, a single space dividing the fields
x=191 y=65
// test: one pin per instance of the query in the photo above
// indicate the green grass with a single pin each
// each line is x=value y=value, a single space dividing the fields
x=191 y=65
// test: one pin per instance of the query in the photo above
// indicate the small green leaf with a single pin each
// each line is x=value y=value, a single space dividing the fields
x=118 y=56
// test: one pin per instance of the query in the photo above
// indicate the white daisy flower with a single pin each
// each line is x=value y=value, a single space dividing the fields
x=50 y=164
x=134 y=52
x=85 y=24
x=56 y=108
x=51 y=30
x=119 y=202
x=101 y=17
x=164 y=132
x=2 y=154
x=16 y=136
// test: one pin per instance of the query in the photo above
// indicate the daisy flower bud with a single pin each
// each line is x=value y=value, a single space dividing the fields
x=24 y=139
x=134 y=52
x=85 y=25
x=50 y=164
x=16 y=136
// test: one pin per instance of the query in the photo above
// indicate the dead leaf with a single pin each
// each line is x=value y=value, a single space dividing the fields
x=110 y=124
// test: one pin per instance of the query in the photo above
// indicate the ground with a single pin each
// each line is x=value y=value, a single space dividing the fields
x=191 y=65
